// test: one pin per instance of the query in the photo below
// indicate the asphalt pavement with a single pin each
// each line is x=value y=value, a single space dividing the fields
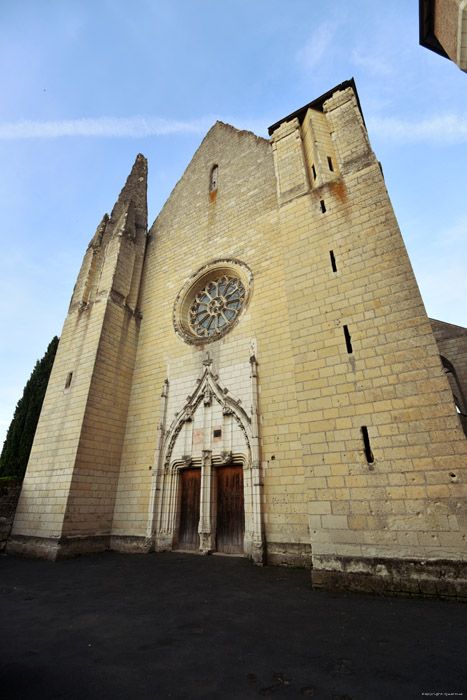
x=187 y=627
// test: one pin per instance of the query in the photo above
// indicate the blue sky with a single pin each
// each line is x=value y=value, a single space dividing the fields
x=88 y=84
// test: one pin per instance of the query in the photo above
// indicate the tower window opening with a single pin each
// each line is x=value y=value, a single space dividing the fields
x=213 y=181
x=366 y=442
x=68 y=379
x=331 y=167
x=217 y=433
x=323 y=206
x=333 y=261
x=313 y=170
x=347 y=340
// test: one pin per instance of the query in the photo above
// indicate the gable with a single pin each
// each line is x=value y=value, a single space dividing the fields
x=245 y=170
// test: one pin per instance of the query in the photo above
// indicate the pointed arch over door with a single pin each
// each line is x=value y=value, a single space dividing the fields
x=229 y=475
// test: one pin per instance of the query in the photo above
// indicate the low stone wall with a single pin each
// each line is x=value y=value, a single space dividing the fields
x=288 y=554
x=9 y=494
x=441 y=578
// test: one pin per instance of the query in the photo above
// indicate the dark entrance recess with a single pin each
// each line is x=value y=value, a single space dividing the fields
x=230 y=510
x=188 y=537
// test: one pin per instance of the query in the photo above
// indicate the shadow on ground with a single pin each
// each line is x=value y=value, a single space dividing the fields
x=118 y=626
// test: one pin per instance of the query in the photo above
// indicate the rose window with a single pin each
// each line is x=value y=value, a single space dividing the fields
x=212 y=301
x=216 y=306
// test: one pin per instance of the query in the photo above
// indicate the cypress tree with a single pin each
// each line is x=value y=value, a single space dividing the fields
x=20 y=435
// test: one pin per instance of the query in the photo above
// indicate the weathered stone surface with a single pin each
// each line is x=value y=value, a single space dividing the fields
x=326 y=389
x=392 y=576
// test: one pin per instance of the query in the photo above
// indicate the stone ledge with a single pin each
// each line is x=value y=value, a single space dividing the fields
x=130 y=544
x=442 y=578
x=54 y=548
x=288 y=554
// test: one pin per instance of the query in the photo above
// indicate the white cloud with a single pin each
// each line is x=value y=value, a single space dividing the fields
x=133 y=127
x=442 y=129
x=126 y=127
x=373 y=64
x=315 y=48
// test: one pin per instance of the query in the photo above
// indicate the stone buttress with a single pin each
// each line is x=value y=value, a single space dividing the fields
x=67 y=501
x=258 y=376
x=383 y=449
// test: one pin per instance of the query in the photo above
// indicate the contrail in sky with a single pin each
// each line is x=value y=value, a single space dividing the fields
x=132 y=127
x=447 y=128
x=117 y=127
x=442 y=129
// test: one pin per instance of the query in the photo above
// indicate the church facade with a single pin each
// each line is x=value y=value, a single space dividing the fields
x=256 y=375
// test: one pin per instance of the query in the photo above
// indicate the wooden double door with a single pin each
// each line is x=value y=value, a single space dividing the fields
x=230 y=510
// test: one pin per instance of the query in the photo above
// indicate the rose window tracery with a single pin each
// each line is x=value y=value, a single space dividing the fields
x=216 y=306
x=212 y=301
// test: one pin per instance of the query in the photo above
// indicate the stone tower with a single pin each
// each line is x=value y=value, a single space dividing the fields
x=260 y=377
x=67 y=501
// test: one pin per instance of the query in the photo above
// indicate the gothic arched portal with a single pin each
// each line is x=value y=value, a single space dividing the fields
x=206 y=483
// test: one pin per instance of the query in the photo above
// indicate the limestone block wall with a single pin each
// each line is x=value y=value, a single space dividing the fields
x=318 y=149
x=357 y=424
x=92 y=491
x=328 y=389
x=384 y=455
x=450 y=27
x=67 y=500
x=238 y=220
x=43 y=501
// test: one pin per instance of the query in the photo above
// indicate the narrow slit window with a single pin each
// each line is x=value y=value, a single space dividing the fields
x=333 y=261
x=331 y=167
x=323 y=206
x=366 y=442
x=347 y=339
x=213 y=182
x=68 y=379
x=313 y=170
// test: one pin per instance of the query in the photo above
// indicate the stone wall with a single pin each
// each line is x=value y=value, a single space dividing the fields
x=68 y=496
x=383 y=452
x=450 y=28
x=327 y=389
x=238 y=221
x=452 y=345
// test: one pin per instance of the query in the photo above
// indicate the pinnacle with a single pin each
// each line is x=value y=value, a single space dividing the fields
x=97 y=238
x=135 y=191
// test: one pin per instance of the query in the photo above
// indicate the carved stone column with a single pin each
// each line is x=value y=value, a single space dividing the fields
x=206 y=534
x=258 y=548
x=155 y=500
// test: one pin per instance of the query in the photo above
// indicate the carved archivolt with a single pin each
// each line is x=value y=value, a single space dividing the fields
x=239 y=445
x=207 y=390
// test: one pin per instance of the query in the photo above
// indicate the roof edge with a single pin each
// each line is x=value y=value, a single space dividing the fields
x=426 y=18
x=318 y=104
